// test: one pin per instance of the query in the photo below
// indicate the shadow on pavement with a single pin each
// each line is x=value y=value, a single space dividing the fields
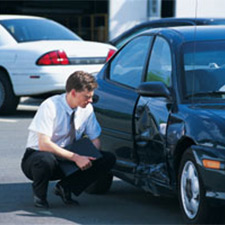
x=20 y=114
x=26 y=109
x=111 y=208
x=24 y=113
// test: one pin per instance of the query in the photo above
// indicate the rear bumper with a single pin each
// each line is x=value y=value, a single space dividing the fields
x=46 y=79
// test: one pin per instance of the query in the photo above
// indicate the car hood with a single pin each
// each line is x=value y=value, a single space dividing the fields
x=72 y=48
x=216 y=112
x=206 y=123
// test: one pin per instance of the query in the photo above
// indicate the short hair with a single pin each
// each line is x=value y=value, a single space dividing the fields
x=81 y=81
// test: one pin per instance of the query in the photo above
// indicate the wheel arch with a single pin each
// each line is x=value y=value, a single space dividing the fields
x=181 y=147
x=6 y=74
x=8 y=100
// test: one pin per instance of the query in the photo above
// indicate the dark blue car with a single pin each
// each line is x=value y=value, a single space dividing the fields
x=161 y=105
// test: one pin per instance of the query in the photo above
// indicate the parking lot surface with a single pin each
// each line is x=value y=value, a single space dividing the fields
x=124 y=204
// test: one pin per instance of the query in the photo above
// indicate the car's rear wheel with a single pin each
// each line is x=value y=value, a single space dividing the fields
x=101 y=186
x=194 y=205
x=8 y=100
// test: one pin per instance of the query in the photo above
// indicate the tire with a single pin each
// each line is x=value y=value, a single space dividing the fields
x=101 y=186
x=8 y=100
x=193 y=203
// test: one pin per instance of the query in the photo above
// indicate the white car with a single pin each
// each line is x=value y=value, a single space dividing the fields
x=37 y=55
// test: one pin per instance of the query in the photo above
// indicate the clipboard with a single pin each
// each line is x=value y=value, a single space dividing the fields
x=83 y=146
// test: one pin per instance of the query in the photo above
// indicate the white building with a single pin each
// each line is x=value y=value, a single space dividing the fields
x=124 y=14
x=102 y=20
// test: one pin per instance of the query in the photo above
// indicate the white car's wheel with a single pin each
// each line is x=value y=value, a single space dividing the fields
x=194 y=205
x=2 y=94
x=8 y=100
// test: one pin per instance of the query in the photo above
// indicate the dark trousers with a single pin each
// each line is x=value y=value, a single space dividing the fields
x=42 y=167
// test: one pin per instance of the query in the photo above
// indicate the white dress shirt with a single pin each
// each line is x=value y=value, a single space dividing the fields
x=53 y=120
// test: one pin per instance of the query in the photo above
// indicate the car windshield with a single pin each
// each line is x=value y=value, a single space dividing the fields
x=25 y=30
x=204 y=70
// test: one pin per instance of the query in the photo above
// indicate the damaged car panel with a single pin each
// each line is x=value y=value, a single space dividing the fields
x=161 y=105
x=150 y=138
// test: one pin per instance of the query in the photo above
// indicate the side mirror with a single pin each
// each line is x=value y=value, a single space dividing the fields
x=153 y=89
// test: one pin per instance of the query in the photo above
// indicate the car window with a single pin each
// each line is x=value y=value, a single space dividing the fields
x=128 y=37
x=160 y=65
x=127 y=67
x=24 y=30
x=204 y=69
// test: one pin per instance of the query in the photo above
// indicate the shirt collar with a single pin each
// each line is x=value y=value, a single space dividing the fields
x=68 y=109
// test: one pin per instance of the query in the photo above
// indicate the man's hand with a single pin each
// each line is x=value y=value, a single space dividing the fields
x=83 y=162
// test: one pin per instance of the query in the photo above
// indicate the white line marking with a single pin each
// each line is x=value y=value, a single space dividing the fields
x=8 y=120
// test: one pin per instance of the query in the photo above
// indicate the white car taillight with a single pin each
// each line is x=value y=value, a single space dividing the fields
x=58 y=57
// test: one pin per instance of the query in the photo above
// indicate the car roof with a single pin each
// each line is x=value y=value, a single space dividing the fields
x=164 y=21
x=191 y=20
x=7 y=17
x=190 y=33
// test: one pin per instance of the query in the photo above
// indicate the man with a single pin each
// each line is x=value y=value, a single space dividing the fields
x=50 y=134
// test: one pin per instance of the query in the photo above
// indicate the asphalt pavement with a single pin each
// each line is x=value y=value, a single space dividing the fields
x=123 y=204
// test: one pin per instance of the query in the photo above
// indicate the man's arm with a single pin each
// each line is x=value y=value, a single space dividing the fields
x=45 y=144
x=97 y=143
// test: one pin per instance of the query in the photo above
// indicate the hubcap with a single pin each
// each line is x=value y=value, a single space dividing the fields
x=190 y=190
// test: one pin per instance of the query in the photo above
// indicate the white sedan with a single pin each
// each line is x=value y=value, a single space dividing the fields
x=37 y=55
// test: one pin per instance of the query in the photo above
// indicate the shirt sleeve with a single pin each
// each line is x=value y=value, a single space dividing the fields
x=43 y=121
x=93 y=129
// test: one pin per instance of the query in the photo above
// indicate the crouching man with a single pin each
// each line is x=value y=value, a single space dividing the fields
x=59 y=121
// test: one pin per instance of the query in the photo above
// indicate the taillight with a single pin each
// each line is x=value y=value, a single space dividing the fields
x=58 y=57
x=110 y=54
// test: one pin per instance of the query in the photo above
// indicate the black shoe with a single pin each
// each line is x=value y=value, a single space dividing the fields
x=40 y=203
x=65 y=194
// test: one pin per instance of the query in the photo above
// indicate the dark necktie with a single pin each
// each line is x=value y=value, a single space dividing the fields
x=72 y=132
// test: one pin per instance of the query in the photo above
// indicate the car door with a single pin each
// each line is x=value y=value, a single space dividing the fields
x=152 y=115
x=117 y=99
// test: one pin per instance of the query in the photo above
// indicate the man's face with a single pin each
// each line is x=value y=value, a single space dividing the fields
x=83 y=98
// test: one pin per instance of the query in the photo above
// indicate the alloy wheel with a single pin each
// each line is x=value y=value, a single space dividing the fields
x=190 y=189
